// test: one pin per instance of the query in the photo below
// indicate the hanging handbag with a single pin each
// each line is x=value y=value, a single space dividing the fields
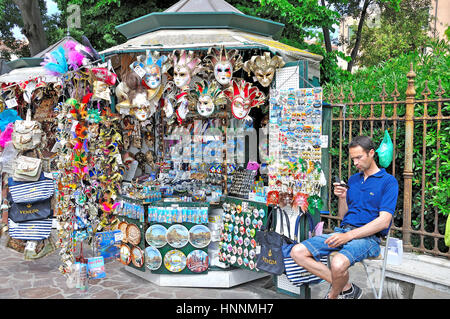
x=27 y=212
x=32 y=230
x=270 y=258
x=27 y=134
x=31 y=192
x=296 y=274
x=27 y=169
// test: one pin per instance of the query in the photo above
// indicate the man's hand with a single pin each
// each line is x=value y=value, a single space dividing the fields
x=338 y=239
x=340 y=191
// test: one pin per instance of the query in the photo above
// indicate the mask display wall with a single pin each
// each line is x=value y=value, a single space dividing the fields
x=263 y=67
x=223 y=63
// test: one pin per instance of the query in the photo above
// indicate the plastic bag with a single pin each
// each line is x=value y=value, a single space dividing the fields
x=385 y=151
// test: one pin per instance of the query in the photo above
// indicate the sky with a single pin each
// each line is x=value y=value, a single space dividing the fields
x=51 y=9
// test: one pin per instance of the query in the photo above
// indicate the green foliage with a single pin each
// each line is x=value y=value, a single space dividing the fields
x=432 y=195
x=99 y=18
x=398 y=32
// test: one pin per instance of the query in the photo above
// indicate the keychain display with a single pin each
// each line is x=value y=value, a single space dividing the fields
x=243 y=180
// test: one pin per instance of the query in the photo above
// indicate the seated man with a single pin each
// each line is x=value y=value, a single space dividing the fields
x=367 y=208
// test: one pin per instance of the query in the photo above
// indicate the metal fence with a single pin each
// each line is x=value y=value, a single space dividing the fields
x=416 y=127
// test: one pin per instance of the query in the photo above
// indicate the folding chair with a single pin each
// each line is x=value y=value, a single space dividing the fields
x=383 y=269
x=364 y=263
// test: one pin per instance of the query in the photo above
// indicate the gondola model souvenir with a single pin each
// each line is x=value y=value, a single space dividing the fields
x=263 y=67
x=223 y=63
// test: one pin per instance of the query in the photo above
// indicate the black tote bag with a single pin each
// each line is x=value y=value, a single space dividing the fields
x=28 y=212
x=270 y=258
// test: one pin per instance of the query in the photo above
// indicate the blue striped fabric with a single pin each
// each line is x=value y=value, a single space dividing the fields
x=298 y=275
x=32 y=230
x=30 y=192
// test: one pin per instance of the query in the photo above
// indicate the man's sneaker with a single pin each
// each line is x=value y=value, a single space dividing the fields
x=354 y=293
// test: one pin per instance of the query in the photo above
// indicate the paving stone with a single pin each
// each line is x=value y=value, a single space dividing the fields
x=38 y=293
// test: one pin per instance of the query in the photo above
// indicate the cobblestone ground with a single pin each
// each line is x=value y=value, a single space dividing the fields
x=40 y=279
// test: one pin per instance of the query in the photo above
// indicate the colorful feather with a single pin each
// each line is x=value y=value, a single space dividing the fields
x=56 y=64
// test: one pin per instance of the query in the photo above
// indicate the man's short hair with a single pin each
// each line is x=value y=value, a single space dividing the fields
x=364 y=141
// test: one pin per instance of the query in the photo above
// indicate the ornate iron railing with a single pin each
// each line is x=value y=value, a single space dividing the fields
x=416 y=163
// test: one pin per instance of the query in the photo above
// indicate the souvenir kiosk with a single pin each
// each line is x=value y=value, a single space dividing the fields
x=224 y=125
x=174 y=146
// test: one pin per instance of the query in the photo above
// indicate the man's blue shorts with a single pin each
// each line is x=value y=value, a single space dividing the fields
x=355 y=250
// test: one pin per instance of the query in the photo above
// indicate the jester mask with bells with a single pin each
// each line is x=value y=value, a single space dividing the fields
x=208 y=95
x=243 y=97
x=223 y=63
x=185 y=66
x=263 y=67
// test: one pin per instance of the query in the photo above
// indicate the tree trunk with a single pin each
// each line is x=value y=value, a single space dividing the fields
x=33 y=28
x=358 y=35
x=326 y=34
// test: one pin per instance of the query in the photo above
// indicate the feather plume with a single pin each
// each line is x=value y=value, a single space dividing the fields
x=56 y=64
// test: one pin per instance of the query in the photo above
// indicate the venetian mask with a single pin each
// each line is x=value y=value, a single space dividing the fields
x=185 y=66
x=223 y=63
x=155 y=66
x=263 y=67
x=209 y=95
x=169 y=99
x=183 y=106
x=243 y=97
x=101 y=91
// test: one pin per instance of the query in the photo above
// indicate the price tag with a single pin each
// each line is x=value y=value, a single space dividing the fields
x=324 y=141
x=31 y=245
x=118 y=236
x=11 y=103
x=140 y=71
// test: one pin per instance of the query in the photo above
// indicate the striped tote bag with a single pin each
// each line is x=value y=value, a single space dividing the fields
x=298 y=275
x=31 y=192
x=31 y=230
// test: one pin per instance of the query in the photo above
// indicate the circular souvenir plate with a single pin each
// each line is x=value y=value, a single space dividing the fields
x=125 y=254
x=156 y=235
x=197 y=261
x=175 y=260
x=199 y=236
x=137 y=256
x=153 y=258
x=177 y=236
x=123 y=228
x=133 y=234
